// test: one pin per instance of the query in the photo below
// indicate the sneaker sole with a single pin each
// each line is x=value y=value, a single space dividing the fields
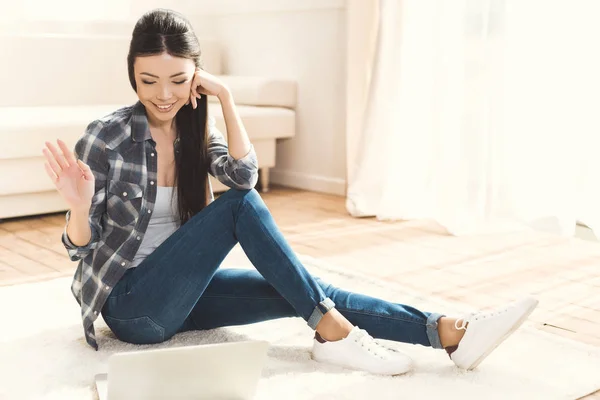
x=326 y=361
x=503 y=338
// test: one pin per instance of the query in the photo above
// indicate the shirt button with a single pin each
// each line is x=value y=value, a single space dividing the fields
x=106 y=287
x=152 y=154
x=124 y=193
x=123 y=263
x=95 y=312
x=152 y=182
x=149 y=211
x=138 y=238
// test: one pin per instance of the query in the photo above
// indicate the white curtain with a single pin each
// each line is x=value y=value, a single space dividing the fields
x=481 y=115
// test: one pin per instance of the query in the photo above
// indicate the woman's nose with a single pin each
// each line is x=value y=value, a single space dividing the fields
x=165 y=93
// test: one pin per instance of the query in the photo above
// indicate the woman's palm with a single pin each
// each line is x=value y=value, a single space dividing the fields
x=72 y=178
x=73 y=186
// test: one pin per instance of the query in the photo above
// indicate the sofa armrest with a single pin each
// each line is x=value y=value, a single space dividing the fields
x=259 y=91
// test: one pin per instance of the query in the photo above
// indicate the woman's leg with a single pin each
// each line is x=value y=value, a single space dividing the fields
x=152 y=301
x=241 y=296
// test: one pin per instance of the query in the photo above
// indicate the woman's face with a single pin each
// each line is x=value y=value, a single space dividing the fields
x=163 y=84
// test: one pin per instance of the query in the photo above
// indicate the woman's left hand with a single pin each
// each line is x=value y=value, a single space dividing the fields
x=205 y=84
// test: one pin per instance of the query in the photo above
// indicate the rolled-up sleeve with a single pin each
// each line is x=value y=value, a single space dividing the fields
x=238 y=174
x=91 y=150
x=79 y=252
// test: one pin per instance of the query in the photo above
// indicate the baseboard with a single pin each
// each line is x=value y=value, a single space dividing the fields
x=313 y=183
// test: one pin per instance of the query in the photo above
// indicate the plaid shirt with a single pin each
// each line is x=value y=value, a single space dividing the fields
x=122 y=155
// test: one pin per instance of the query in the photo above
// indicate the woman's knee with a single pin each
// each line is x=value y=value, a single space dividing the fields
x=233 y=192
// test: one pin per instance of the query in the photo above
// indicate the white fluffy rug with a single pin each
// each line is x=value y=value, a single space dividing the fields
x=48 y=358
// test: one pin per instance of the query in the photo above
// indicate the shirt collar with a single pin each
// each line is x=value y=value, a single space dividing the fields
x=139 y=123
x=140 y=128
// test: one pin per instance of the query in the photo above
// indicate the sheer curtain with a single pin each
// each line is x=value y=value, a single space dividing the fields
x=481 y=115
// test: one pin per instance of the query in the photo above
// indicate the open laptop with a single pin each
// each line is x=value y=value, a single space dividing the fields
x=214 y=371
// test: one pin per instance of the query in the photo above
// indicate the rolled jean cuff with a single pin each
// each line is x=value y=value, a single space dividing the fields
x=432 y=330
x=319 y=311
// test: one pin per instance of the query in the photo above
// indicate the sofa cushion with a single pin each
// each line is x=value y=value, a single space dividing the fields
x=258 y=91
x=23 y=130
x=260 y=122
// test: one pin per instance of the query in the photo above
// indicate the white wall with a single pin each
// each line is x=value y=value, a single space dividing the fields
x=84 y=17
x=301 y=40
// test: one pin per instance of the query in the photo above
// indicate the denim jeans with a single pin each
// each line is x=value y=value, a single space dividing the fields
x=179 y=287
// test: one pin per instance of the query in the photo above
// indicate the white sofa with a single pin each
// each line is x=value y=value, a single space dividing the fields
x=54 y=85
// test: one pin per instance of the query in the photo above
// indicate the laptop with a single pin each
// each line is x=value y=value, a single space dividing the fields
x=214 y=371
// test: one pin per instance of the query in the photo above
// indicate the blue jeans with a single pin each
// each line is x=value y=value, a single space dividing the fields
x=179 y=287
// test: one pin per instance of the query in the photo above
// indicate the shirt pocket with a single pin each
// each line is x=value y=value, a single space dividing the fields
x=123 y=202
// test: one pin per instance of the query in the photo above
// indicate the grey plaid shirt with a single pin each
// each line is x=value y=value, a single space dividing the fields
x=122 y=155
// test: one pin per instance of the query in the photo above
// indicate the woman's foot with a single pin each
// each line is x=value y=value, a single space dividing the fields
x=359 y=351
x=333 y=326
x=484 y=331
x=340 y=343
x=450 y=335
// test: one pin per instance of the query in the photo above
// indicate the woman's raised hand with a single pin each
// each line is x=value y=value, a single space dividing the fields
x=73 y=179
x=207 y=84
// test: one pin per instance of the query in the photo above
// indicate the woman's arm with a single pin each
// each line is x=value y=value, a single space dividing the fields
x=79 y=231
x=83 y=228
x=237 y=138
x=232 y=162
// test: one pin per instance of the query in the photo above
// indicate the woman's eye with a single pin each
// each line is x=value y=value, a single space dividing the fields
x=147 y=83
x=180 y=82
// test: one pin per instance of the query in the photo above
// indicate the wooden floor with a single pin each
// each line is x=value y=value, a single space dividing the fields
x=316 y=225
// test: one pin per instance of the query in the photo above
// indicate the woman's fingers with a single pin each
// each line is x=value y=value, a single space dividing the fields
x=51 y=173
x=195 y=90
x=87 y=172
x=57 y=156
x=66 y=152
x=193 y=99
x=195 y=84
x=56 y=169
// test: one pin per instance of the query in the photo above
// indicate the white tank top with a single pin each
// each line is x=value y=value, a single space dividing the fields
x=163 y=222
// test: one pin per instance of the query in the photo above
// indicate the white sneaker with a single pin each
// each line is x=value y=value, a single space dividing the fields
x=486 y=330
x=359 y=351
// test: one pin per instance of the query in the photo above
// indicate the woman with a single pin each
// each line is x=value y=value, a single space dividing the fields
x=149 y=238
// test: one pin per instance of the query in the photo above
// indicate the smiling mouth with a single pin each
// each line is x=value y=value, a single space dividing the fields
x=165 y=107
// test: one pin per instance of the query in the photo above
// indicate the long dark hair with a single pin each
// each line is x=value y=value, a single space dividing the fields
x=156 y=32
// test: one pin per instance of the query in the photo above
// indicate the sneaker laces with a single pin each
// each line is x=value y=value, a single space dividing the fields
x=477 y=316
x=368 y=342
